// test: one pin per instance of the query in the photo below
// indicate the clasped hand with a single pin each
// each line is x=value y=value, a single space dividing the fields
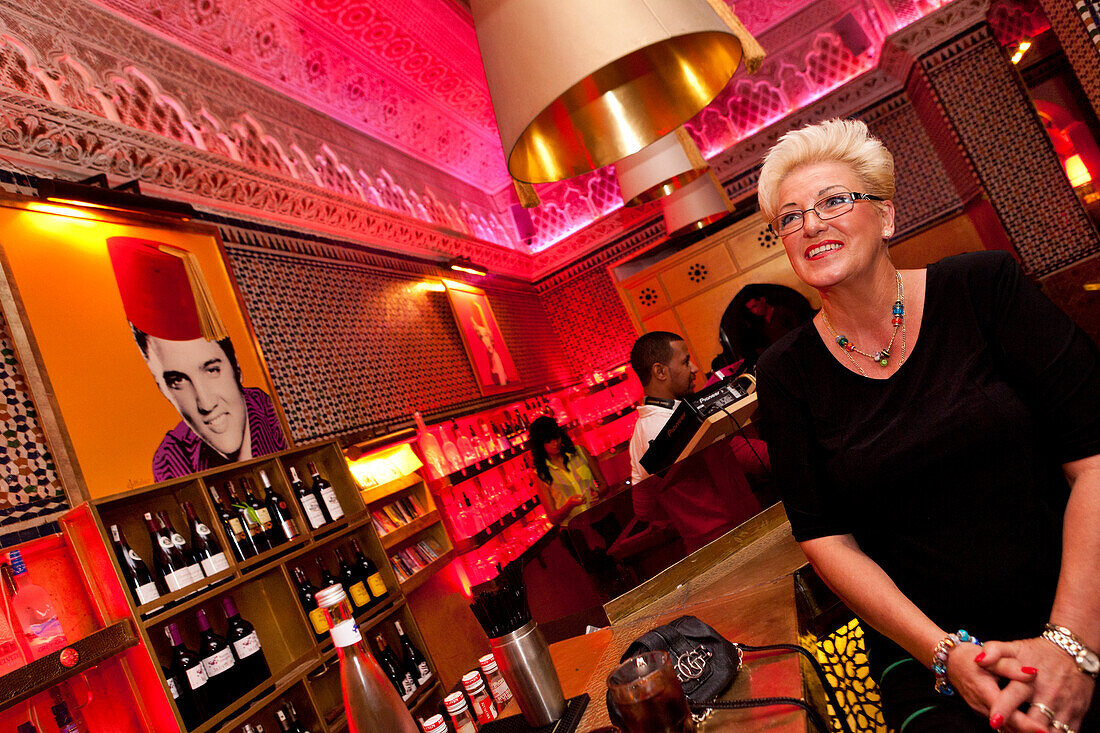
x=1038 y=675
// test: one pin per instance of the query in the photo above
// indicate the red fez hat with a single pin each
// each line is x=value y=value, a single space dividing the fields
x=156 y=292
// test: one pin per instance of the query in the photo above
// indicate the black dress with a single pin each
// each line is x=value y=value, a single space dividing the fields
x=999 y=391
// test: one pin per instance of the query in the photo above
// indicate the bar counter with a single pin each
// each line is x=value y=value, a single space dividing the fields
x=744 y=585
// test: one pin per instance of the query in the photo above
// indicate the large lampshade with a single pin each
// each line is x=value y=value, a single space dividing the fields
x=659 y=169
x=579 y=84
x=694 y=206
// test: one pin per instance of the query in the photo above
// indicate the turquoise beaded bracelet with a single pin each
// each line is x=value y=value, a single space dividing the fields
x=939 y=659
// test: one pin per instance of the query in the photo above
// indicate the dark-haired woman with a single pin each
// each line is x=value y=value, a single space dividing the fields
x=568 y=482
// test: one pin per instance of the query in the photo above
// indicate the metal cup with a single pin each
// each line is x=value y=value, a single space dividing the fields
x=524 y=659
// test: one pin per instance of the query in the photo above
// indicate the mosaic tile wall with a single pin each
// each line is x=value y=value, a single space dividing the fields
x=354 y=348
x=31 y=496
x=993 y=118
x=590 y=321
x=1082 y=45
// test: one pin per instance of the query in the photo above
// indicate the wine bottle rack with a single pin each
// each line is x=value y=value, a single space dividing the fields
x=262 y=586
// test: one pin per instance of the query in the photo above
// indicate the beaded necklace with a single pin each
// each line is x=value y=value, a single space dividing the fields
x=883 y=356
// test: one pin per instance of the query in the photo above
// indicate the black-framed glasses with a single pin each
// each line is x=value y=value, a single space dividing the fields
x=830 y=207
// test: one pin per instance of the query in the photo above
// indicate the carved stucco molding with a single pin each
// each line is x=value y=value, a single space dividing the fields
x=69 y=140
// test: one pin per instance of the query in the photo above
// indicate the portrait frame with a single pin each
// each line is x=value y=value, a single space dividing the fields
x=93 y=392
x=475 y=321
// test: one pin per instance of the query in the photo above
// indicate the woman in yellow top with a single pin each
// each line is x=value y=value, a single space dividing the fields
x=568 y=481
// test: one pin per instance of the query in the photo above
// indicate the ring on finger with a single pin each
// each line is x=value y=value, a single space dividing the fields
x=1045 y=711
x=1060 y=726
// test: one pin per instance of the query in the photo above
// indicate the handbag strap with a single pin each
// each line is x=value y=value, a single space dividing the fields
x=814 y=716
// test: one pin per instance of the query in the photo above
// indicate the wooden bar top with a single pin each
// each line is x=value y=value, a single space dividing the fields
x=743 y=585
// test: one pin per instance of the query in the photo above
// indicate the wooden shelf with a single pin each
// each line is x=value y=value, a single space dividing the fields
x=42 y=674
x=184 y=598
x=494 y=529
x=608 y=418
x=234 y=717
x=418 y=578
x=422 y=693
x=402 y=533
x=377 y=493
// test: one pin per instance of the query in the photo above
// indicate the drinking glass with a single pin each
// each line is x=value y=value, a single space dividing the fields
x=648 y=695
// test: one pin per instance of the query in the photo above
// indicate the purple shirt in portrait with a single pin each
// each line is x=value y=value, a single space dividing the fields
x=182 y=452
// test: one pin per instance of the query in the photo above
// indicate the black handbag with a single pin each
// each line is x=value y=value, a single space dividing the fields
x=706 y=664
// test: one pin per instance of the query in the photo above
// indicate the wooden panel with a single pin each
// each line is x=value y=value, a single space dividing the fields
x=701 y=317
x=949 y=238
x=751 y=242
x=701 y=268
x=663 y=321
x=647 y=296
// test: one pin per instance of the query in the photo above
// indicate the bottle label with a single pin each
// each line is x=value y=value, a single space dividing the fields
x=247 y=646
x=317 y=618
x=178 y=541
x=408 y=686
x=236 y=528
x=334 y=509
x=195 y=571
x=377 y=585
x=264 y=518
x=346 y=633
x=215 y=564
x=424 y=674
x=313 y=511
x=202 y=529
x=165 y=542
x=219 y=662
x=178 y=579
x=360 y=596
x=500 y=690
x=484 y=708
x=133 y=556
x=290 y=529
x=196 y=677
x=172 y=688
x=146 y=593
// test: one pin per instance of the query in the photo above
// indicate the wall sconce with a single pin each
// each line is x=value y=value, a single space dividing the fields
x=659 y=169
x=701 y=202
x=102 y=196
x=577 y=84
x=462 y=264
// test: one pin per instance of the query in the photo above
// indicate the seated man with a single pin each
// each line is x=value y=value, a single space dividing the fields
x=703 y=496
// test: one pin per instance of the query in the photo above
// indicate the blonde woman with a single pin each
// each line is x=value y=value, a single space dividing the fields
x=936 y=436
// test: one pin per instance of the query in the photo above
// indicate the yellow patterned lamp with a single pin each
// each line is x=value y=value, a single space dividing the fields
x=579 y=84
x=659 y=169
x=701 y=202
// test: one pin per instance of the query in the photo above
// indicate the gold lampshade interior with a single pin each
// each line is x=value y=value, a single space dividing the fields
x=624 y=106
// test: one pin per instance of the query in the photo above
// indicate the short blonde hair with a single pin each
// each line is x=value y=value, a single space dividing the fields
x=843 y=141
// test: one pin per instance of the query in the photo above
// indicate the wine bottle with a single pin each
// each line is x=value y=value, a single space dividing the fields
x=262 y=516
x=354 y=582
x=194 y=568
x=33 y=610
x=168 y=563
x=323 y=490
x=401 y=679
x=251 y=523
x=234 y=530
x=205 y=546
x=188 y=669
x=465 y=447
x=307 y=596
x=311 y=507
x=251 y=662
x=482 y=450
x=285 y=524
x=369 y=703
x=220 y=664
x=327 y=578
x=367 y=569
x=295 y=724
x=414 y=660
x=138 y=578
x=65 y=720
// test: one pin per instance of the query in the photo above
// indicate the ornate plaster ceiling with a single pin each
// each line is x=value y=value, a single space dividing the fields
x=408 y=74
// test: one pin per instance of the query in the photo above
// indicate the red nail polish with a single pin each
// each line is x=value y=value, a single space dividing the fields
x=1029 y=670
x=978 y=659
x=997 y=721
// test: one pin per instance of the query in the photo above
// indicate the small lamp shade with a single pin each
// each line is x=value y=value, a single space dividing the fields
x=659 y=169
x=579 y=84
x=694 y=206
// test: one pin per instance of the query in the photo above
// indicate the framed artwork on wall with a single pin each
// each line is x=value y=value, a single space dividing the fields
x=140 y=356
x=493 y=367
